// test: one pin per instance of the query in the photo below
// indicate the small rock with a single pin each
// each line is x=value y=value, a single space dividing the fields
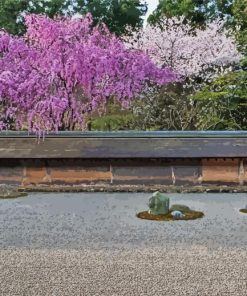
x=177 y=214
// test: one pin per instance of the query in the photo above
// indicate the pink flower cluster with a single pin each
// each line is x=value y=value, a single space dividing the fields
x=64 y=69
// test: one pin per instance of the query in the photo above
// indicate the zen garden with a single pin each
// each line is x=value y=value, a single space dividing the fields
x=123 y=147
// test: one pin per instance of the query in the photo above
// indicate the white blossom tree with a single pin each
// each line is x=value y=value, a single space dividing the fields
x=199 y=55
x=192 y=52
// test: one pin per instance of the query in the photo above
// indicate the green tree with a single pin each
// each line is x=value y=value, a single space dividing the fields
x=10 y=15
x=239 y=10
x=197 y=11
x=223 y=103
x=116 y=14
x=240 y=19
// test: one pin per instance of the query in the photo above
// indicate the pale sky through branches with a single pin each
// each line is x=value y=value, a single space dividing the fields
x=152 y=4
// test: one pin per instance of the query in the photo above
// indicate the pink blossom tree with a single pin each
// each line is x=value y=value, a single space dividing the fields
x=64 y=69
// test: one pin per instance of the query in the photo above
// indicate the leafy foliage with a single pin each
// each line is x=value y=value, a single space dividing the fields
x=114 y=122
x=197 y=11
x=114 y=118
x=10 y=18
x=240 y=12
x=116 y=14
x=166 y=108
x=225 y=101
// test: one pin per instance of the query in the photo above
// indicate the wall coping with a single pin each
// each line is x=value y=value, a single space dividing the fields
x=130 y=134
x=117 y=145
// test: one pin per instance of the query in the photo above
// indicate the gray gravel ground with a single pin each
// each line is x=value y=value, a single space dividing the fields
x=92 y=244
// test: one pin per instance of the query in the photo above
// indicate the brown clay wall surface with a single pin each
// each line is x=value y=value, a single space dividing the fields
x=34 y=172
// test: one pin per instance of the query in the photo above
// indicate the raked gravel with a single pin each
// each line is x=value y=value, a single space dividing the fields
x=195 y=271
x=92 y=244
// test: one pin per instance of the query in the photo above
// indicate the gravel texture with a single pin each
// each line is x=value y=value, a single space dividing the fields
x=157 y=271
x=93 y=244
x=101 y=220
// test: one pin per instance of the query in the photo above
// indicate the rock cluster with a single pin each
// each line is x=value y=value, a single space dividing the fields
x=159 y=209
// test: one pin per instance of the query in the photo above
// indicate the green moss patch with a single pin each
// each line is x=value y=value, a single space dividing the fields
x=192 y=215
x=13 y=195
x=243 y=211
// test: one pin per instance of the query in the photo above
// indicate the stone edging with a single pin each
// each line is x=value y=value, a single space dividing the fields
x=136 y=188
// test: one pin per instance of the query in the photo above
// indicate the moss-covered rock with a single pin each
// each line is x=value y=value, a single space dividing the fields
x=180 y=208
x=10 y=192
x=243 y=211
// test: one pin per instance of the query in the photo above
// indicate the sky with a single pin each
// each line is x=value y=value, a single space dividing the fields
x=152 y=4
